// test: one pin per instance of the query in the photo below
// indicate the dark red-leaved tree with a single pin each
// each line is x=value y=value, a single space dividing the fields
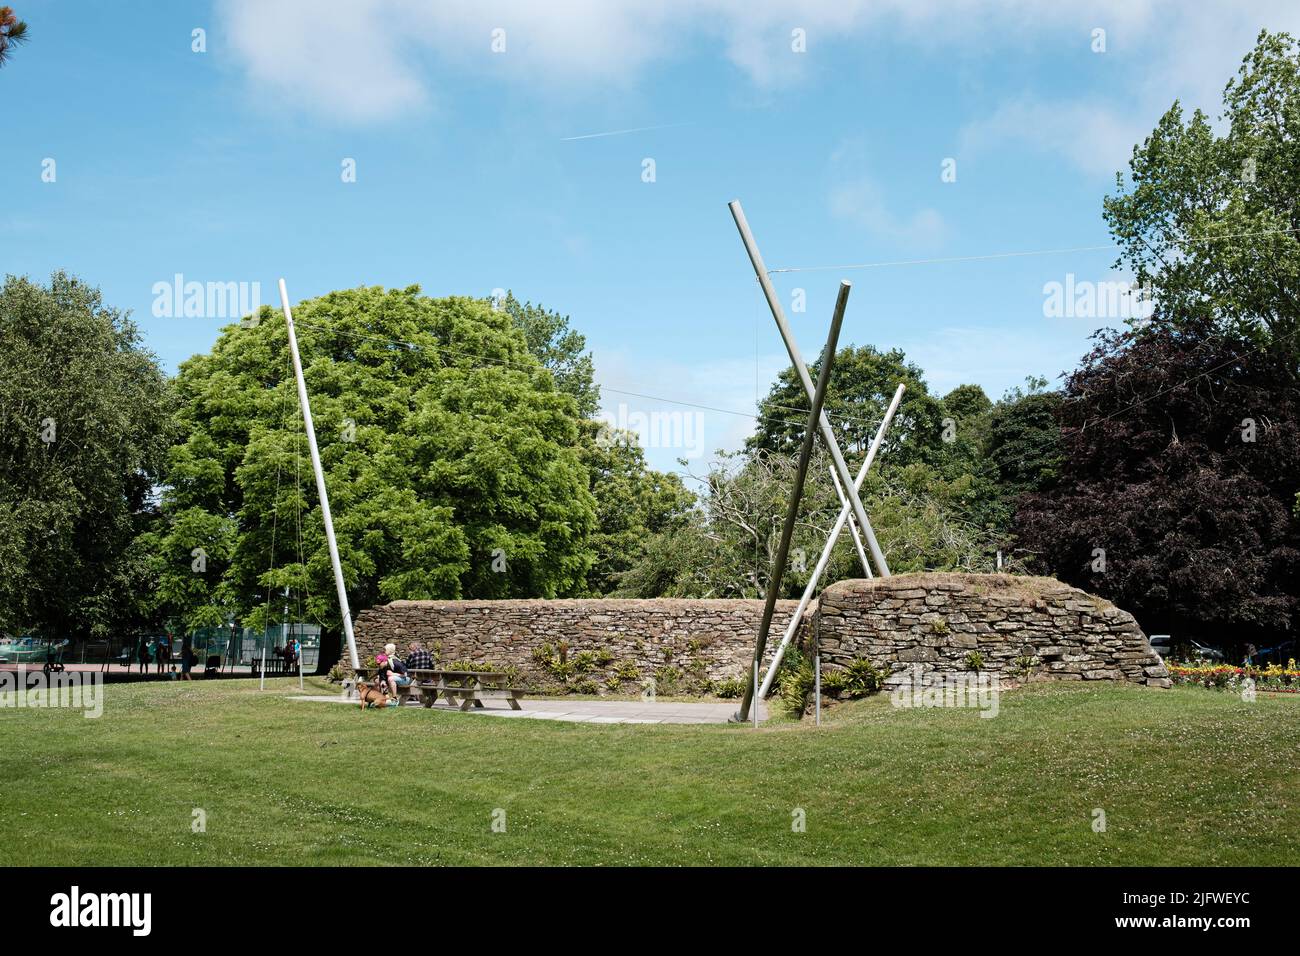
x=1181 y=463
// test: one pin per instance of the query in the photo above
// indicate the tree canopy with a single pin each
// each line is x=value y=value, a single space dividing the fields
x=84 y=425
x=1211 y=222
x=450 y=455
x=1175 y=491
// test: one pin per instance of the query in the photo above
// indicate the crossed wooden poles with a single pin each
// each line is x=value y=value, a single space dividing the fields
x=846 y=484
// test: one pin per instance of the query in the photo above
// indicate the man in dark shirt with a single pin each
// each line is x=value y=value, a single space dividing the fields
x=419 y=659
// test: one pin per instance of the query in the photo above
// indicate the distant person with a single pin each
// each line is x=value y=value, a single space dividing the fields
x=419 y=659
x=1251 y=651
x=163 y=651
x=142 y=653
x=393 y=670
x=187 y=659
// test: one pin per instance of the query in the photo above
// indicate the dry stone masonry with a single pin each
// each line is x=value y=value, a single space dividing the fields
x=938 y=620
x=929 y=620
x=681 y=643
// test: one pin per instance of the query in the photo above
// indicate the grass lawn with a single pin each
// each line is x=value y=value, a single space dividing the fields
x=1187 y=776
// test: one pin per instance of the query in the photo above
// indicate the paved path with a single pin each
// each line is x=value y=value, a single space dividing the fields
x=594 y=711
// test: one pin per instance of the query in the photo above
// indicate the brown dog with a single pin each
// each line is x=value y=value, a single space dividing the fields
x=371 y=696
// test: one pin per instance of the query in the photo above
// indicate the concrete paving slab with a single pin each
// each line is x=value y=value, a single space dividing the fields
x=590 y=711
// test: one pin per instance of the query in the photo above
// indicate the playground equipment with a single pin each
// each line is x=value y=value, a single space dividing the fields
x=29 y=650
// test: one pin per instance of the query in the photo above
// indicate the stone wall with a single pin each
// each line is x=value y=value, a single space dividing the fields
x=931 y=620
x=682 y=642
x=936 y=620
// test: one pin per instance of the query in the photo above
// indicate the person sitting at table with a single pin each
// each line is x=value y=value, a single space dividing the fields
x=392 y=670
x=419 y=659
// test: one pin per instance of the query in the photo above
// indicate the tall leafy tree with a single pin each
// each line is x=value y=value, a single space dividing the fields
x=1211 y=221
x=448 y=450
x=84 y=426
x=862 y=383
x=1174 y=494
x=559 y=348
x=1023 y=440
x=633 y=502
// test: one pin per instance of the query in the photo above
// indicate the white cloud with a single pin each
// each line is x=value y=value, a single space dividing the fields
x=376 y=59
x=955 y=356
x=1089 y=134
x=1167 y=51
x=856 y=197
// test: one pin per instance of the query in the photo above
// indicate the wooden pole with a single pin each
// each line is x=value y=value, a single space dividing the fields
x=792 y=510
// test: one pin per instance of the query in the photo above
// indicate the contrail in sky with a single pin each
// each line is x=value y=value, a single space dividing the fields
x=620 y=132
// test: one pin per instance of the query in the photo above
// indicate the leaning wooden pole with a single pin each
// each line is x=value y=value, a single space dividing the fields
x=792 y=348
x=834 y=536
x=796 y=495
x=321 y=492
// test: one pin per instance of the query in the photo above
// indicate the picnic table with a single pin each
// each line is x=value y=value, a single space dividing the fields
x=464 y=689
x=274 y=665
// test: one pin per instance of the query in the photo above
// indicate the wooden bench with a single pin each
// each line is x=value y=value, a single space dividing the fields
x=274 y=665
x=465 y=689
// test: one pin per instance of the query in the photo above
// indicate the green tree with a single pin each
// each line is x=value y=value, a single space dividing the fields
x=633 y=502
x=724 y=547
x=1024 y=439
x=448 y=450
x=84 y=426
x=862 y=384
x=1210 y=221
x=559 y=348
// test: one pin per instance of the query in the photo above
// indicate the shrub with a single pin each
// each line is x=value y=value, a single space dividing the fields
x=666 y=679
x=794 y=682
x=834 y=682
x=627 y=670
x=975 y=661
x=586 y=686
x=731 y=687
x=1024 y=666
x=861 y=677
x=338 y=674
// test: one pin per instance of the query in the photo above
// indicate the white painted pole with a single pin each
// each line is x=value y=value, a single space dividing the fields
x=829 y=546
x=756 y=702
x=853 y=525
x=263 y=687
x=321 y=492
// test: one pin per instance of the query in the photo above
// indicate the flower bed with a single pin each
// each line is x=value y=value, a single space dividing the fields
x=1273 y=678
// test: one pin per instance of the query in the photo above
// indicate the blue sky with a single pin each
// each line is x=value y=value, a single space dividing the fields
x=226 y=166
